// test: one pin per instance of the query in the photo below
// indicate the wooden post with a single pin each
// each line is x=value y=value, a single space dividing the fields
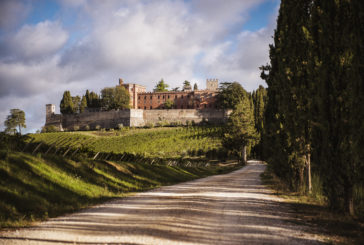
x=94 y=158
x=35 y=150
x=65 y=153
x=75 y=152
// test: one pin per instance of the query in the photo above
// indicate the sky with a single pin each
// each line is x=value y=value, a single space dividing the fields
x=47 y=47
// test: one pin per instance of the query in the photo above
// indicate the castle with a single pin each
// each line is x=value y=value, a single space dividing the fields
x=186 y=99
x=147 y=108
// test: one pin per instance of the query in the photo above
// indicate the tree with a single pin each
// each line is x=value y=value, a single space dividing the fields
x=176 y=89
x=115 y=98
x=94 y=100
x=230 y=95
x=240 y=128
x=76 y=100
x=169 y=104
x=83 y=103
x=195 y=87
x=15 y=119
x=186 y=85
x=259 y=98
x=66 y=106
x=161 y=86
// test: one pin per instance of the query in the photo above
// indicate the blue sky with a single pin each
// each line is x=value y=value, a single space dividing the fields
x=47 y=47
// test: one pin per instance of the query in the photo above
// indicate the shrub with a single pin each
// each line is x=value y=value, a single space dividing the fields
x=149 y=125
x=49 y=129
x=76 y=128
x=97 y=127
x=87 y=127
x=120 y=126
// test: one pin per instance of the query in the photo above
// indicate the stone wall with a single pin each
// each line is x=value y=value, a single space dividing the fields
x=103 y=119
x=135 y=118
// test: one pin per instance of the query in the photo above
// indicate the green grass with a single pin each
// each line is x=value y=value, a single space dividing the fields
x=34 y=188
x=161 y=142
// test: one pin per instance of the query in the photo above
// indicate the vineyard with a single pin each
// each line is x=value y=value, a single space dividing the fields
x=174 y=142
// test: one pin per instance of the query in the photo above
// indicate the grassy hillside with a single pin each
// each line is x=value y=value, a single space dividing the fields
x=168 y=142
x=37 y=187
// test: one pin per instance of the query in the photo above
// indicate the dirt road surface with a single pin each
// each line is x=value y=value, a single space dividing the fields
x=234 y=208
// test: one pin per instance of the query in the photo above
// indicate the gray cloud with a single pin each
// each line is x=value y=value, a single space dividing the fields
x=12 y=12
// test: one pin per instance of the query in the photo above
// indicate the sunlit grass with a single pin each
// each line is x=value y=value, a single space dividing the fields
x=37 y=187
x=161 y=142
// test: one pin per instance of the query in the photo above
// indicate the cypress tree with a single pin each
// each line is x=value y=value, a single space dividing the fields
x=66 y=106
x=83 y=104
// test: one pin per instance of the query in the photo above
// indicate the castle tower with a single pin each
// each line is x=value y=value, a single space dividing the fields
x=50 y=109
x=212 y=84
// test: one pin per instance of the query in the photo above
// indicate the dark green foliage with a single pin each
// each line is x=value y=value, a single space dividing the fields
x=259 y=98
x=14 y=120
x=186 y=85
x=92 y=99
x=315 y=97
x=76 y=100
x=115 y=98
x=230 y=94
x=66 y=106
x=240 y=129
x=161 y=86
x=83 y=103
x=195 y=87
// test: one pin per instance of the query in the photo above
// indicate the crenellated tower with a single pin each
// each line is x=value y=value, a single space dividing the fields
x=212 y=84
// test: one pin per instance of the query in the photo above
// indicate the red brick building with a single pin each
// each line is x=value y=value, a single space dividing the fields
x=198 y=99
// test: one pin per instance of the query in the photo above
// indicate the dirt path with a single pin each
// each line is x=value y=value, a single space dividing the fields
x=234 y=208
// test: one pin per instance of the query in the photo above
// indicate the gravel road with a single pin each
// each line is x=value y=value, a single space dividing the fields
x=234 y=208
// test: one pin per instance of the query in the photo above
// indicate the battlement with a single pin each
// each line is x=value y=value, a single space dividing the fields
x=212 y=84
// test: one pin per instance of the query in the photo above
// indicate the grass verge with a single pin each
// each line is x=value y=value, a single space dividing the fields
x=312 y=210
x=34 y=188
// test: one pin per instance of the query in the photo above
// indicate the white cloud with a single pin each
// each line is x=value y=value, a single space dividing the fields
x=140 y=41
x=33 y=42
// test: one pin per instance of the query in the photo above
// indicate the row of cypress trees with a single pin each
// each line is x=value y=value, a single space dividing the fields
x=315 y=112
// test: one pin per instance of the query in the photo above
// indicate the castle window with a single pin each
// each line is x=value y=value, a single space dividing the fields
x=150 y=107
x=168 y=96
x=181 y=106
x=138 y=107
x=145 y=107
x=163 y=96
x=151 y=97
x=176 y=96
x=158 y=97
x=138 y=97
x=188 y=96
x=145 y=97
x=182 y=96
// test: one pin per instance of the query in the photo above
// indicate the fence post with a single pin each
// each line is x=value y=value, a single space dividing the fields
x=94 y=158
x=35 y=150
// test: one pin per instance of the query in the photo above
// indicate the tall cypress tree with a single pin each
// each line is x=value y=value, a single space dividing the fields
x=66 y=106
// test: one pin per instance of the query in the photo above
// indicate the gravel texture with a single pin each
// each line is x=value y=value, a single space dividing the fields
x=234 y=208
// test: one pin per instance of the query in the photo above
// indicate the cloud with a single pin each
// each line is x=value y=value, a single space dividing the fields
x=34 y=42
x=140 y=41
x=12 y=12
